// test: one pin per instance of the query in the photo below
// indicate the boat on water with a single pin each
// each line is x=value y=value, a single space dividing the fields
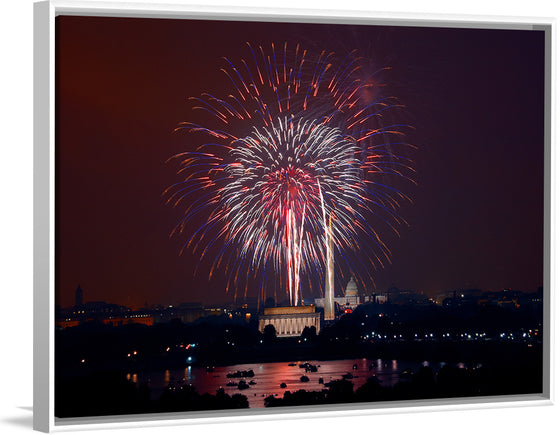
x=241 y=374
x=242 y=385
x=308 y=367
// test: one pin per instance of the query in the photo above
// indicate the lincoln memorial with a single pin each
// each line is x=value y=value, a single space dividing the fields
x=290 y=321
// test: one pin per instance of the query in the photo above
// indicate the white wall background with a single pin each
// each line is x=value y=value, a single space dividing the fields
x=16 y=243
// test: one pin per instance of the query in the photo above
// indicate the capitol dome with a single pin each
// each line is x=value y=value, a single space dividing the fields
x=351 y=289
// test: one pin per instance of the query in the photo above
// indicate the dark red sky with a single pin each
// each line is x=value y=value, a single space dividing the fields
x=474 y=97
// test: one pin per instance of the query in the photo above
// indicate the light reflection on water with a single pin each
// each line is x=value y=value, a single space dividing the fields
x=269 y=376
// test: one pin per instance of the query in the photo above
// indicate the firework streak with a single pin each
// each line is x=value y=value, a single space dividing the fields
x=299 y=141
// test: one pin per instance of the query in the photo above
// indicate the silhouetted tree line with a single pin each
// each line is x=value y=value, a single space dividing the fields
x=186 y=398
x=110 y=393
x=408 y=320
x=223 y=341
x=100 y=393
x=108 y=347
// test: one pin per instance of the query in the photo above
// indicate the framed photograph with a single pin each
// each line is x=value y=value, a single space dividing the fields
x=258 y=214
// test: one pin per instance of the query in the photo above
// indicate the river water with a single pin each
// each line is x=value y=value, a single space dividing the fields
x=269 y=376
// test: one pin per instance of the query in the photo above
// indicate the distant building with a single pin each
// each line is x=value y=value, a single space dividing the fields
x=350 y=300
x=66 y=323
x=290 y=321
x=351 y=289
x=472 y=297
x=380 y=299
x=113 y=319
x=102 y=312
x=407 y=297
x=134 y=317
x=99 y=309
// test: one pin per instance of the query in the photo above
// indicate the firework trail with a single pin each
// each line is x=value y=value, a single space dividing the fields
x=300 y=140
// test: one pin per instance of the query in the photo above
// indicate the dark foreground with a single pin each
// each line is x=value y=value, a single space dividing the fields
x=109 y=393
x=501 y=351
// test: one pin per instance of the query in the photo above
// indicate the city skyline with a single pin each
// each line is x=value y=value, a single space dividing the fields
x=253 y=302
x=475 y=221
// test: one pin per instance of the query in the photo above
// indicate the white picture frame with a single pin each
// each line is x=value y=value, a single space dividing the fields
x=43 y=407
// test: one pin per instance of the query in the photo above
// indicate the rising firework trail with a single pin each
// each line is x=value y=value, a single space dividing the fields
x=300 y=140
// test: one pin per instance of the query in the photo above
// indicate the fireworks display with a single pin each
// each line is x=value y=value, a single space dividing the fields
x=296 y=160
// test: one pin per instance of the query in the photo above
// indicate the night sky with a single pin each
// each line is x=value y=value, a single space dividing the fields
x=474 y=97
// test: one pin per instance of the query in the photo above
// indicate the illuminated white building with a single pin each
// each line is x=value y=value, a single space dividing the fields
x=350 y=299
x=290 y=321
